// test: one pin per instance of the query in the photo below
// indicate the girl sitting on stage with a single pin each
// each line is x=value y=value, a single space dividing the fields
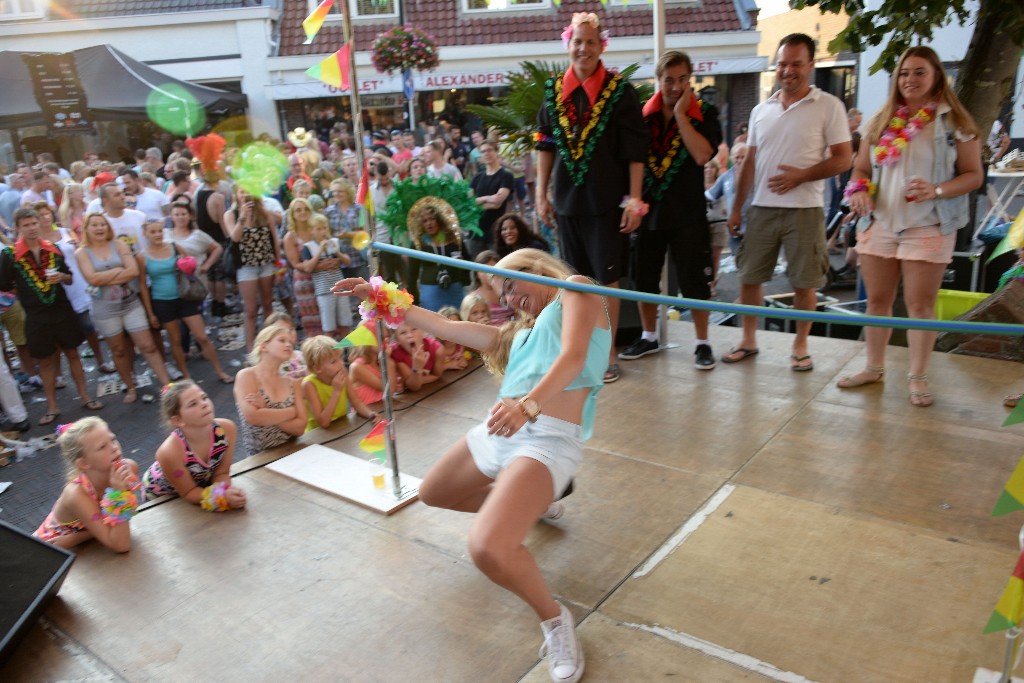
x=270 y=405
x=419 y=359
x=513 y=467
x=93 y=457
x=365 y=373
x=195 y=460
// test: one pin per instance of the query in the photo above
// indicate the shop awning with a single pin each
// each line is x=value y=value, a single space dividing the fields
x=114 y=86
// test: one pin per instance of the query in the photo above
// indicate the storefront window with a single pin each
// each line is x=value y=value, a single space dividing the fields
x=492 y=5
x=360 y=9
x=647 y=5
x=21 y=9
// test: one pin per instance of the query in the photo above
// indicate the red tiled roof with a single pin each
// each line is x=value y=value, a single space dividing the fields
x=449 y=26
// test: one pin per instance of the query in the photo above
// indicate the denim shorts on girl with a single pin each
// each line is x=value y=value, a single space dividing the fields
x=556 y=444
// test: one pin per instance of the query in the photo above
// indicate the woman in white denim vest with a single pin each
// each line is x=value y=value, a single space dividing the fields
x=917 y=164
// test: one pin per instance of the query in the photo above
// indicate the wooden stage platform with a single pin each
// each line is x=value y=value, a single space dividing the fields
x=745 y=524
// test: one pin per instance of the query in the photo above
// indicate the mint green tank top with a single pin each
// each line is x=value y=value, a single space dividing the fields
x=534 y=351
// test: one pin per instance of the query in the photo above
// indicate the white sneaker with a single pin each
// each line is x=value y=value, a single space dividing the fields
x=554 y=511
x=562 y=648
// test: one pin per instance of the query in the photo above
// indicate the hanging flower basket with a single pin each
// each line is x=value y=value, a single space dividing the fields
x=405 y=47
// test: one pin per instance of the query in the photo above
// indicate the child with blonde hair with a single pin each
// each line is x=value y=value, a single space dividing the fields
x=335 y=311
x=270 y=407
x=327 y=389
x=364 y=371
x=455 y=353
x=93 y=457
x=294 y=367
x=194 y=462
x=500 y=313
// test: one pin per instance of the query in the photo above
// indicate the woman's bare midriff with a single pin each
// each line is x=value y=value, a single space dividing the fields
x=567 y=406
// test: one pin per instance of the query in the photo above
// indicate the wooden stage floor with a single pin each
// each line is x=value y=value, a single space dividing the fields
x=745 y=524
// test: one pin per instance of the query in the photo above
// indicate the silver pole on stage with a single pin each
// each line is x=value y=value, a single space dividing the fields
x=389 y=413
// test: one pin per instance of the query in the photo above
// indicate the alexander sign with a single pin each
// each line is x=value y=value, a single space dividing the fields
x=484 y=79
x=385 y=83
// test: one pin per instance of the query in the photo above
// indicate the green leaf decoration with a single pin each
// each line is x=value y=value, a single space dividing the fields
x=407 y=192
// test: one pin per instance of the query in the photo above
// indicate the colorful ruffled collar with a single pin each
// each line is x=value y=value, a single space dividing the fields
x=591 y=86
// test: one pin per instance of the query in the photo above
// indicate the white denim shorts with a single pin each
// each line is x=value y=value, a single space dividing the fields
x=250 y=273
x=556 y=444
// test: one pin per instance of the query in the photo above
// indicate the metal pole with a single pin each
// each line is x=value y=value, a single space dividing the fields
x=389 y=413
x=353 y=92
x=658 y=32
x=410 y=106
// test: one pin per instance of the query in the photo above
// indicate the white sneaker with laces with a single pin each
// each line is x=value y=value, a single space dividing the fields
x=562 y=648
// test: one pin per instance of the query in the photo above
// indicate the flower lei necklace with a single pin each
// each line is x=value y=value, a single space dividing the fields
x=35 y=275
x=663 y=164
x=576 y=139
x=900 y=132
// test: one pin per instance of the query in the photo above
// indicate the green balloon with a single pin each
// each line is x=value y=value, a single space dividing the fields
x=259 y=168
x=175 y=109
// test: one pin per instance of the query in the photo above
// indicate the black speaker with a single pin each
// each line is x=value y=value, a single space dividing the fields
x=31 y=573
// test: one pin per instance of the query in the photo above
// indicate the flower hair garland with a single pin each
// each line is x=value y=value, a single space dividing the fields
x=580 y=18
x=900 y=132
x=386 y=302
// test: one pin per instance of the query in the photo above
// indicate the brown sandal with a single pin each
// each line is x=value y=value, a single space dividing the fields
x=852 y=381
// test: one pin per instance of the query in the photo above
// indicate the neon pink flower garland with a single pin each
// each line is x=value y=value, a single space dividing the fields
x=900 y=132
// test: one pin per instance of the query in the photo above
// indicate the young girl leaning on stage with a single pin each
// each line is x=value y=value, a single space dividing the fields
x=194 y=462
x=512 y=468
x=93 y=456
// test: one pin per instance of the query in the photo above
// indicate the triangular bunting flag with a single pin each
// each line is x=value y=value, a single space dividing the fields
x=1016 y=415
x=358 y=337
x=1012 y=498
x=374 y=441
x=311 y=24
x=333 y=70
x=1011 y=603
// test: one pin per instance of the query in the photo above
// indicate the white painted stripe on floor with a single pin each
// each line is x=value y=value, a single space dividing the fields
x=725 y=654
x=691 y=525
x=94 y=669
x=983 y=675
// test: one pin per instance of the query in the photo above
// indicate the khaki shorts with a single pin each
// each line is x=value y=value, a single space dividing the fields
x=926 y=244
x=800 y=232
x=719 y=235
x=14 y=320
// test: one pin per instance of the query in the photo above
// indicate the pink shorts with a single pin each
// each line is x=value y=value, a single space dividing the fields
x=913 y=244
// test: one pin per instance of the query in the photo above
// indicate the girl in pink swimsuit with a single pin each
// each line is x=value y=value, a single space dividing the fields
x=94 y=460
x=194 y=462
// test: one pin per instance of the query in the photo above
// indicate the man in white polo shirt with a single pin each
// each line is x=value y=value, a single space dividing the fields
x=797 y=138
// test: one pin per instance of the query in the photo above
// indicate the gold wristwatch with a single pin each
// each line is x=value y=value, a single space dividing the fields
x=530 y=408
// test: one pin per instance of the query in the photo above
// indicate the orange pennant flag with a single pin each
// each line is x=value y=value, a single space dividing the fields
x=311 y=24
